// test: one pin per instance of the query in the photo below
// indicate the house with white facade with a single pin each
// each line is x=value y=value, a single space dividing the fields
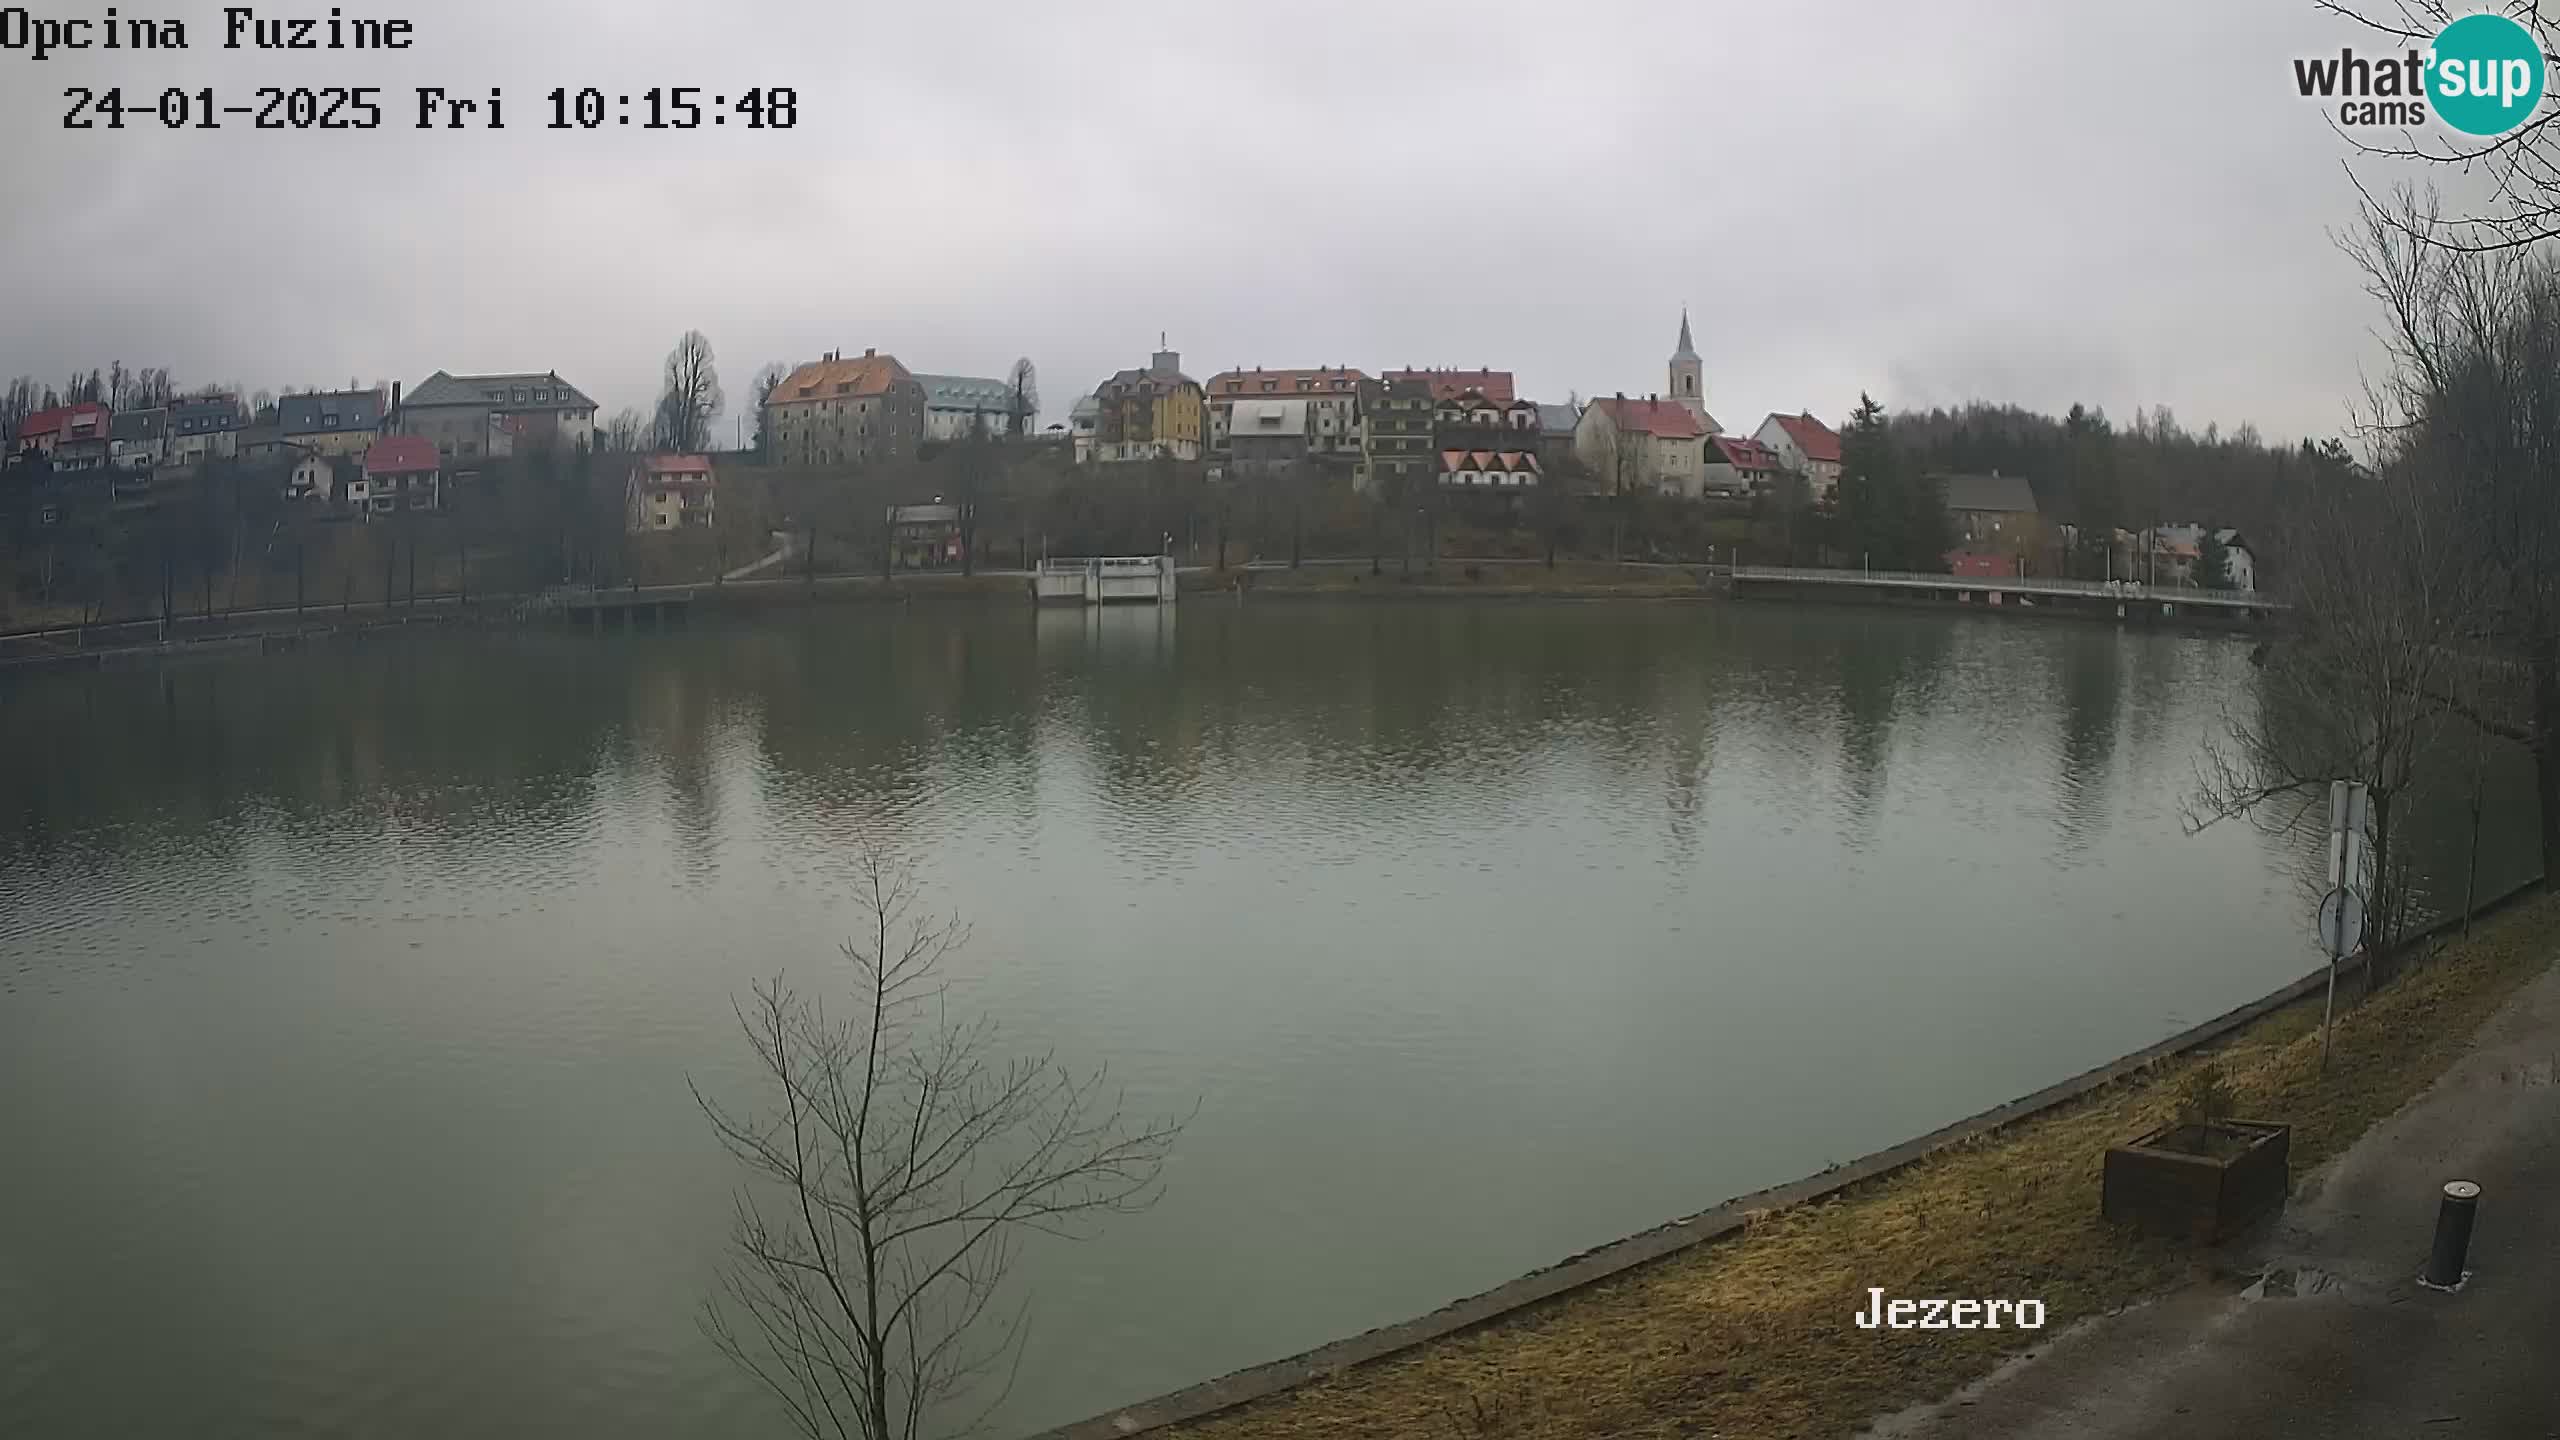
x=1652 y=444
x=956 y=406
x=1806 y=446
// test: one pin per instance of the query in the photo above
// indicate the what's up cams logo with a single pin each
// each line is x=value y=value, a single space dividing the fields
x=2482 y=76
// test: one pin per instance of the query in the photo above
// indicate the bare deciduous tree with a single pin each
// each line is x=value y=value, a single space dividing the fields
x=897 y=1167
x=2382 y=600
x=1024 y=403
x=691 y=398
x=2475 y=390
x=2522 y=166
x=626 y=432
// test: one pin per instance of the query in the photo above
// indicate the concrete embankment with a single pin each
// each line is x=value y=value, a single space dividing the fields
x=1738 y=1320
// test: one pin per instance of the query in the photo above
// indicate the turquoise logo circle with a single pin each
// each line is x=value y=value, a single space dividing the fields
x=2484 y=75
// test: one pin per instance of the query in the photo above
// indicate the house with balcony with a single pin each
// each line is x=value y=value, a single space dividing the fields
x=137 y=440
x=1329 y=395
x=1485 y=443
x=399 y=472
x=1157 y=413
x=72 y=438
x=1396 y=450
x=669 y=492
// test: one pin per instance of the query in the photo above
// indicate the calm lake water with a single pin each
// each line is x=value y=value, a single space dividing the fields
x=348 y=1000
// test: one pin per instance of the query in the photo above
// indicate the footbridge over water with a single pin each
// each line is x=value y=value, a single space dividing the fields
x=2103 y=599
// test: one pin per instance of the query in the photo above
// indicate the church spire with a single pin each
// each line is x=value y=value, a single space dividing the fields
x=1688 y=375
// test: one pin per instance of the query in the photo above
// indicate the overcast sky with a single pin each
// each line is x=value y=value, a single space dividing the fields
x=2117 y=203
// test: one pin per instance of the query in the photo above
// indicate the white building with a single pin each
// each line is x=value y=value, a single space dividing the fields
x=1806 y=446
x=1082 y=422
x=956 y=405
x=1651 y=444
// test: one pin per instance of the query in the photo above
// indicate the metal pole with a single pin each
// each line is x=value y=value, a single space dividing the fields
x=2454 y=1215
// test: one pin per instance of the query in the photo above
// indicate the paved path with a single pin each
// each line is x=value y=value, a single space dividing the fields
x=2356 y=1348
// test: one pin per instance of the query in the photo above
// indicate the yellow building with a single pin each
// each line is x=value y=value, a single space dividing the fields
x=1151 y=414
x=670 y=492
x=331 y=422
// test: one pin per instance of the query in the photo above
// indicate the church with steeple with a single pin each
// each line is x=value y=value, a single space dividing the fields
x=1688 y=381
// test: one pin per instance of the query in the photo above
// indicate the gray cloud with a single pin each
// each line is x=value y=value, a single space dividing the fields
x=2122 y=205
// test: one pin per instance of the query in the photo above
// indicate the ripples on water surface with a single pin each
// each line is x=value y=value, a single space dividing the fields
x=347 y=1000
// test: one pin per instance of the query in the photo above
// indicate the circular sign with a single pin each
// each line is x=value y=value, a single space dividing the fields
x=2341 y=921
x=2484 y=74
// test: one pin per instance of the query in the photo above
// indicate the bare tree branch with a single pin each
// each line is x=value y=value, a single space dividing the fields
x=913 y=1159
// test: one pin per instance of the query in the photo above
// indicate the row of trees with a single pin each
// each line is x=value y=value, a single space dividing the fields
x=2425 y=583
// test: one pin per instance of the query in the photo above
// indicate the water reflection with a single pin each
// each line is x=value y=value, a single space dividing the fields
x=1440 y=911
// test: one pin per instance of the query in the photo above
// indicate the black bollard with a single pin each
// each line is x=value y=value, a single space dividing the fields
x=2454 y=1215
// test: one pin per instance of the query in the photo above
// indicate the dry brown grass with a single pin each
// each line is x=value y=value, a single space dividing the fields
x=1753 y=1336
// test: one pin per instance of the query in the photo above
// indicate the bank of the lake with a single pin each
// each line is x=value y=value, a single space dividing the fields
x=1748 y=1329
x=1481 y=934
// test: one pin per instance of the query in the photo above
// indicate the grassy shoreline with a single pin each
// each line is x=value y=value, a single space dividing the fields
x=1752 y=1336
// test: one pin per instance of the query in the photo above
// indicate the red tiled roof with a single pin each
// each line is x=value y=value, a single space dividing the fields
x=1496 y=384
x=400 y=455
x=1744 y=453
x=1283 y=382
x=839 y=376
x=1817 y=440
x=1663 y=419
x=676 y=465
x=61 y=417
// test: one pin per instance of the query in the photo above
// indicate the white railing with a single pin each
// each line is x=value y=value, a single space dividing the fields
x=2008 y=584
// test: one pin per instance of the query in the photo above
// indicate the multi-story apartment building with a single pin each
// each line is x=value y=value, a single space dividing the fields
x=841 y=411
x=1396 y=450
x=1157 y=413
x=469 y=416
x=1493 y=384
x=1484 y=443
x=669 y=492
x=1330 y=394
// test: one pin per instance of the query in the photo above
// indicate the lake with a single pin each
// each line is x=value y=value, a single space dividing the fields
x=349 y=999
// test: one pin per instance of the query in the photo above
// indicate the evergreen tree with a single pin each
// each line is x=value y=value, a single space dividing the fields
x=1894 y=516
x=2213 y=563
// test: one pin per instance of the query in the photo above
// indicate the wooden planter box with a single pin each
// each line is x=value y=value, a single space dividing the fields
x=2163 y=1184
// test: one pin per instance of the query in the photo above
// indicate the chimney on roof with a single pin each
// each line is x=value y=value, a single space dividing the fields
x=393 y=419
x=868 y=352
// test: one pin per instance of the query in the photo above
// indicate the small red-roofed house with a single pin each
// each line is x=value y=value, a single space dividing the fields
x=400 y=472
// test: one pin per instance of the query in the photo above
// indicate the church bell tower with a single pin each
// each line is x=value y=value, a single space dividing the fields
x=1687 y=382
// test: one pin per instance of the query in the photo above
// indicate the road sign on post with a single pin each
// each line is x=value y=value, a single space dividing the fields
x=2342 y=909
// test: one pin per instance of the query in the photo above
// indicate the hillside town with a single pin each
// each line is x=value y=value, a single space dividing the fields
x=1462 y=449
